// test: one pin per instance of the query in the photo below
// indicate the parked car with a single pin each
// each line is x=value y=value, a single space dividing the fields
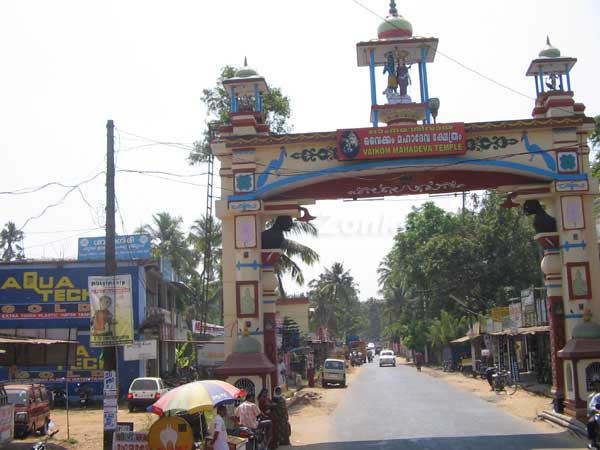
x=145 y=391
x=32 y=408
x=387 y=358
x=334 y=372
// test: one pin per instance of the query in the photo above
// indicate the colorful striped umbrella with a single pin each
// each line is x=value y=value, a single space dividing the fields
x=196 y=396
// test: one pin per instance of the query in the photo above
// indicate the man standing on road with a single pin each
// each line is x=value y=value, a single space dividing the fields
x=218 y=429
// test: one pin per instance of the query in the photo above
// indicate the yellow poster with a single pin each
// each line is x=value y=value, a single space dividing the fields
x=111 y=310
x=170 y=433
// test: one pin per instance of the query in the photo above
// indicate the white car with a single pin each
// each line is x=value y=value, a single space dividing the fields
x=387 y=358
x=145 y=391
x=334 y=372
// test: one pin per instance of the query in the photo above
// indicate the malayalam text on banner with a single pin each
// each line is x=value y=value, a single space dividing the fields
x=401 y=141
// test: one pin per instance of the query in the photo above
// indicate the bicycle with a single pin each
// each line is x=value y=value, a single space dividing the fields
x=504 y=381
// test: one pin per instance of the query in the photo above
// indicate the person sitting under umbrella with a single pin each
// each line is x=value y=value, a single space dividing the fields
x=218 y=429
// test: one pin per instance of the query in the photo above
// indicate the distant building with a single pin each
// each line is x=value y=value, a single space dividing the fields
x=296 y=308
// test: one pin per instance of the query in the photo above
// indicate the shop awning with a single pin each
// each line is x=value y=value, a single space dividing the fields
x=461 y=340
x=522 y=330
x=533 y=330
x=24 y=351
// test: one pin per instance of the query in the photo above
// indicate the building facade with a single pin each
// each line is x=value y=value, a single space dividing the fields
x=50 y=299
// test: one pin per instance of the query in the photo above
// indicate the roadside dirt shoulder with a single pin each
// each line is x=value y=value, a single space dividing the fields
x=85 y=429
x=523 y=404
x=309 y=417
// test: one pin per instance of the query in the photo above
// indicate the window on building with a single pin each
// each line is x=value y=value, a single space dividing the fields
x=569 y=379
x=245 y=384
x=590 y=371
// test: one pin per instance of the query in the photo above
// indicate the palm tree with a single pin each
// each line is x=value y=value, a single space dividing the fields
x=197 y=237
x=293 y=249
x=445 y=329
x=11 y=243
x=337 y=298
x=169 y=240
x=205 y=237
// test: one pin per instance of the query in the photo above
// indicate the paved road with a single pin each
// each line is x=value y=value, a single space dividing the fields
x=400 y=408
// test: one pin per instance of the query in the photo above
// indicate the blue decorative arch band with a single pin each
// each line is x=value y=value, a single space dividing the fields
x=436 y=164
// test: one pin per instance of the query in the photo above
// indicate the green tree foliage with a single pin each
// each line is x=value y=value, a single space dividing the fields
x=483 y=255
x=11 y=242
x=446 y=328
x=290 y=337
x=185 y=354
x=295 y=250
x=186 y=253
x=204 y=231
x=169 y=240
x=216 y=100
x=415 y=334
x=371 y=312
x=595 y=141
x=334 y=296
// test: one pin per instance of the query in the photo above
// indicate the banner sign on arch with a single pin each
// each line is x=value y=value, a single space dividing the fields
x=401 y=141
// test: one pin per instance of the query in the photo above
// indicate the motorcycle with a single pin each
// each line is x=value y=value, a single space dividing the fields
x=256 y=438
x=43 y=445
x=85 y=393
x=489 y=375
x=59 y=398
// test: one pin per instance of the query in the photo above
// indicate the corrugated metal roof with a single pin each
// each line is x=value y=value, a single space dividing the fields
x=524 y=330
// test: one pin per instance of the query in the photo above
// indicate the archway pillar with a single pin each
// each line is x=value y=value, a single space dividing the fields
x=569 y=264
x=249 y=280
x=243 y=304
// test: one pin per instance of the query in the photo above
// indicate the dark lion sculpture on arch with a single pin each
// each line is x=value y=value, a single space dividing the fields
x=273 y=237
x=542 y=221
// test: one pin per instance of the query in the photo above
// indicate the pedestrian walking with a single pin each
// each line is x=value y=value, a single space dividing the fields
x=280 y=414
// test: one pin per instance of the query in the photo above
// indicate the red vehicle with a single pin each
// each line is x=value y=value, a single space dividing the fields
x=32 y=408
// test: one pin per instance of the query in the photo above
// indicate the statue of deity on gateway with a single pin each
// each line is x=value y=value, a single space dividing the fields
x=398 y=78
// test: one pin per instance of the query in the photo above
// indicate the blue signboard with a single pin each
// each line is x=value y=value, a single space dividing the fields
x=57 y=296
x=133 y=246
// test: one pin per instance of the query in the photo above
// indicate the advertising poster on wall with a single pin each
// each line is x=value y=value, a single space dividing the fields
x=111 y=310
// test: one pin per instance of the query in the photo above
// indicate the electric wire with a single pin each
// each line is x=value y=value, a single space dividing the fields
x=31 y=190
x=464 y=66
x=61 y=239
x=59 y=202
x=460 y=64
x=180 y=145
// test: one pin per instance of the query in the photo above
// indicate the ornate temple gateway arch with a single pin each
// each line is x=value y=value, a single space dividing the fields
x=537 y=161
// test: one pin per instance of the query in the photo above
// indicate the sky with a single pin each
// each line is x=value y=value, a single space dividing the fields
x=69 y=66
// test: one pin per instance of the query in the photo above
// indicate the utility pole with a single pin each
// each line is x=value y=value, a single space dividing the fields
x=110 y=266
